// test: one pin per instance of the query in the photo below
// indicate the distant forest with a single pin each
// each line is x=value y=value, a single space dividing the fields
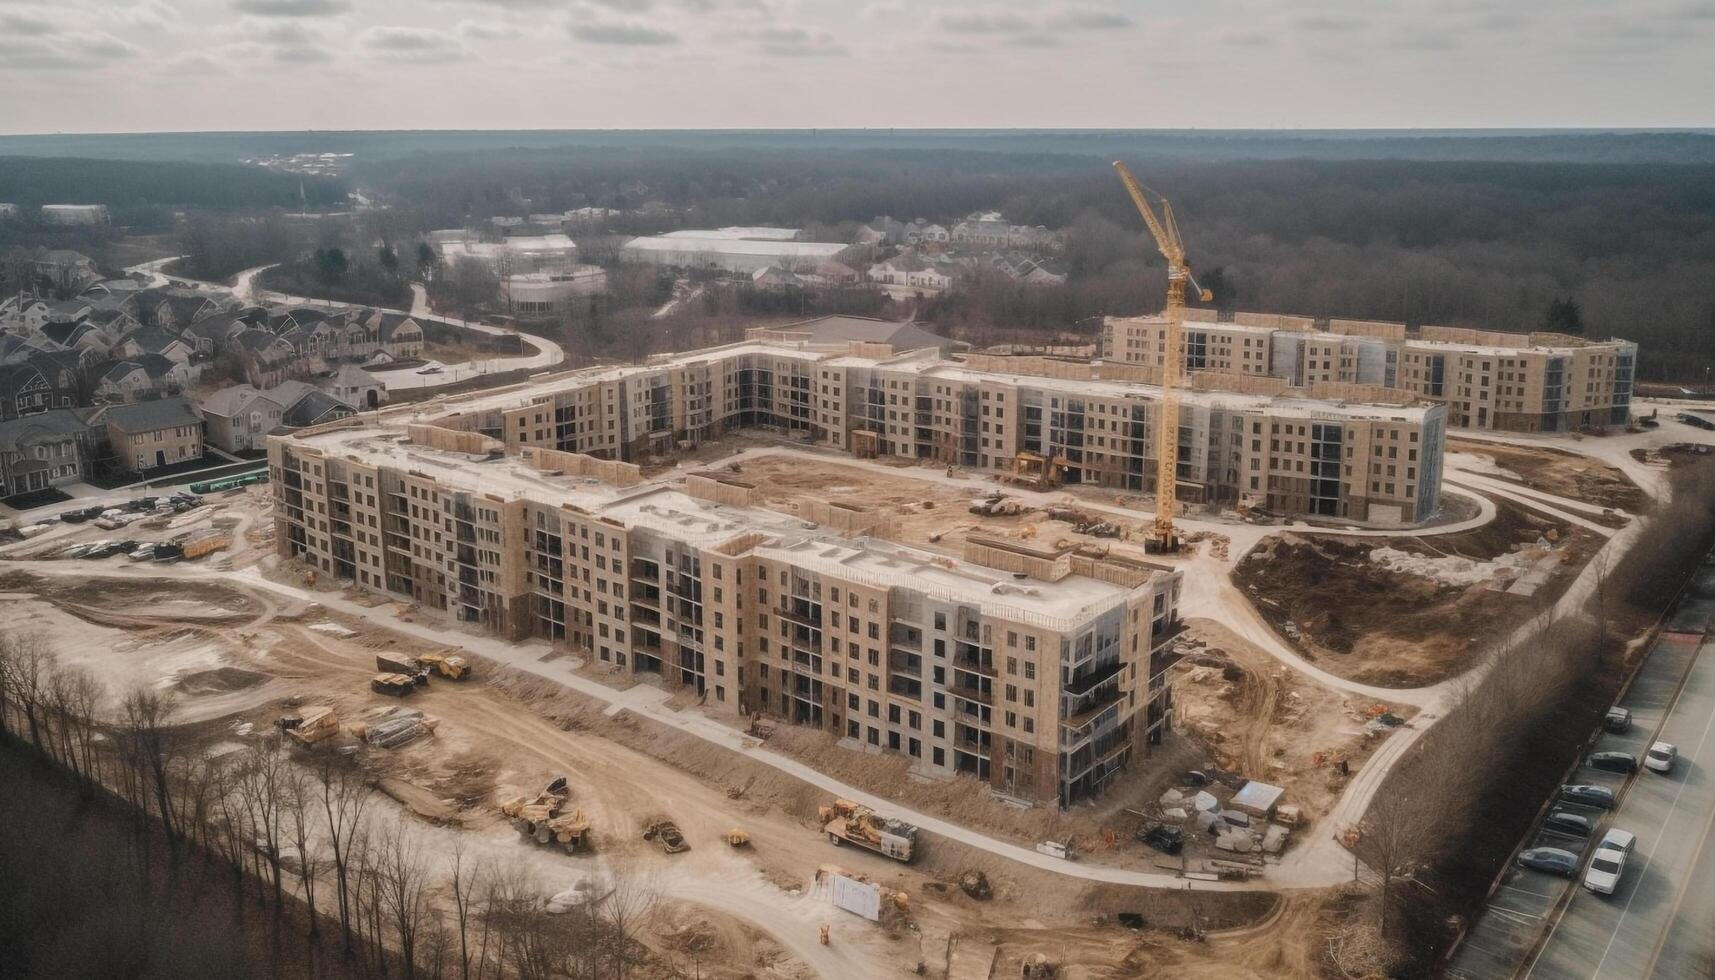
x=1512 y=230
x=1628 y=248
x=144 y=195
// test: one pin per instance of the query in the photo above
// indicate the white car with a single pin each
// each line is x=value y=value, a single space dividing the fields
x=1609 y=862
x=1661 y=756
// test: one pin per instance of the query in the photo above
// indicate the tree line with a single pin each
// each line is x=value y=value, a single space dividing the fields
x=298 y=835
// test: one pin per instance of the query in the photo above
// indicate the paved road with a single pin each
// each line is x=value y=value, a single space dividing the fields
x=1658 y=923
x=1661 y=921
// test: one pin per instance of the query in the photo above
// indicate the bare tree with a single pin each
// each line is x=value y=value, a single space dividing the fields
x=264 y=786
x=301 y=801
x=465 y=875
x=629 y=903
x=25 y=663
x=344 y=798
x=403 y=873
x=1398 y=834
x=151 y=747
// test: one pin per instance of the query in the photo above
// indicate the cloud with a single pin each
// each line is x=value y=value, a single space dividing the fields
x=796 y=42
x=150 y=14
x=1330 y=23
x=972 y=22
x=195 y=63
x=292 y=8
x=1088 y=19
x=416 y=44
x=65 y=51
x=622 y=33
x=487 y=30
x=27 y=23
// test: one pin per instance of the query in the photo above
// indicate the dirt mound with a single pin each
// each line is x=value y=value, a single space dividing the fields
x=220 y=680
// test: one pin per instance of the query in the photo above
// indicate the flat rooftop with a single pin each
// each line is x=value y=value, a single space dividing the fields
x=661 y=506
x=924 y=362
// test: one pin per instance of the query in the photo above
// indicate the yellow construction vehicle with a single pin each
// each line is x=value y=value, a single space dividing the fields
x=1165 y=230
x=451 y=667
x=544 y=819
x=738 y=837
x=311 y=725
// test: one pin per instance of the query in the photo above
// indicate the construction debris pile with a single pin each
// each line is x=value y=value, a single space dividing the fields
x=1242 y=817
x=397 y=726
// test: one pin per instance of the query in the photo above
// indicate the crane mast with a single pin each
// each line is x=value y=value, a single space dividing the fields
x=1165 y=231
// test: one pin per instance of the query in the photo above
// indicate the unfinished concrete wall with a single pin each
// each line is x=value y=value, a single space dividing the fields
x=848 y=520
x=1540 y=339
x=611 y=471
x=1383 y=329
x=452 y=440
x=1275 y=321
x=1011 y=556
x=1378 y=394
x=1201 y=314
x=1245 y=384
x=1479 y=338
x=720 y=490
x=1147 y=374
x=1123 y=572
x=879 y=352
x=1031 y=365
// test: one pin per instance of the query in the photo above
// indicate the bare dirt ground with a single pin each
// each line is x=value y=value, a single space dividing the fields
x=237 y=660
x=925 y=513
x=1258 y=718
x=1414 y=614
x=1556 y=471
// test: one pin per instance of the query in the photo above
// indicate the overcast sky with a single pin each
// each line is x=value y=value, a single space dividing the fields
x=140 y=65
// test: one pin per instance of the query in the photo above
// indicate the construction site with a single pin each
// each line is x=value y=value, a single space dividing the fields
x=857 y=709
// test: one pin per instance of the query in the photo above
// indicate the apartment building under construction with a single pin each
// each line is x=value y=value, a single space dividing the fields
x=1487 y=379
x=1042 y=672
x=1357 y=452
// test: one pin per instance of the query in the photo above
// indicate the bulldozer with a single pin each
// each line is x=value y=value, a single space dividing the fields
x=451 y=667
x=544 y=819
x=311 y=725
x=738 y=837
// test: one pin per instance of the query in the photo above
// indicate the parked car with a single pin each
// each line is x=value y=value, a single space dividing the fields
x=143 y=553
x=81 y=515
x=1661 y=756
x=1613 y=761
x=1606 y=867
x=1552 y=860
x=141 y=504
x=1167 y=840
x=1617 y=838
x=1568 y=823
x=1600 y=796
x=1617 y=720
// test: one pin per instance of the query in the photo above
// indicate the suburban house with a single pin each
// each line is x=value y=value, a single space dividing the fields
x=146 y=376
x=64 y=267
x=239 y=418
x=354 y=386
x=211 y=334
x=175 y=309
x=399 y=335
x=303 y=405
x=83 y=334
x=42 y=451
x=23 y=314
x=153 y=340
x=149 y=434
x=267 y=359
x=25 y=390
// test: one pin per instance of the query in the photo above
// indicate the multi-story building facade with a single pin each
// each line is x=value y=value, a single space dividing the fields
x=1513 y=382
x=1098 y=423
x=1042 y=673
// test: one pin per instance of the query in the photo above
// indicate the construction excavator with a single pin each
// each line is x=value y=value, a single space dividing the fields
x=1165 y=230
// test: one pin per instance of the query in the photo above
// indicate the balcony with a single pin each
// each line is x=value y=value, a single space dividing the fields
x=1087 y=681
x=973 y=658
x=907 y=664
x=981 y=694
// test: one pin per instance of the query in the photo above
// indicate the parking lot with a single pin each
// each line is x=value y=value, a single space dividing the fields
x=1541 y=925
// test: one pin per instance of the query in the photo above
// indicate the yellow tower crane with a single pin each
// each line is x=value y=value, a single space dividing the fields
x=1166 y=233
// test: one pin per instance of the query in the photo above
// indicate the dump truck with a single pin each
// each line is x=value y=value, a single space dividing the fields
x=311 y=725
x=668 y=833
x=396 y=685
x=450 y=667
x=393 y=663
x=847 y=822
x=544 y=818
